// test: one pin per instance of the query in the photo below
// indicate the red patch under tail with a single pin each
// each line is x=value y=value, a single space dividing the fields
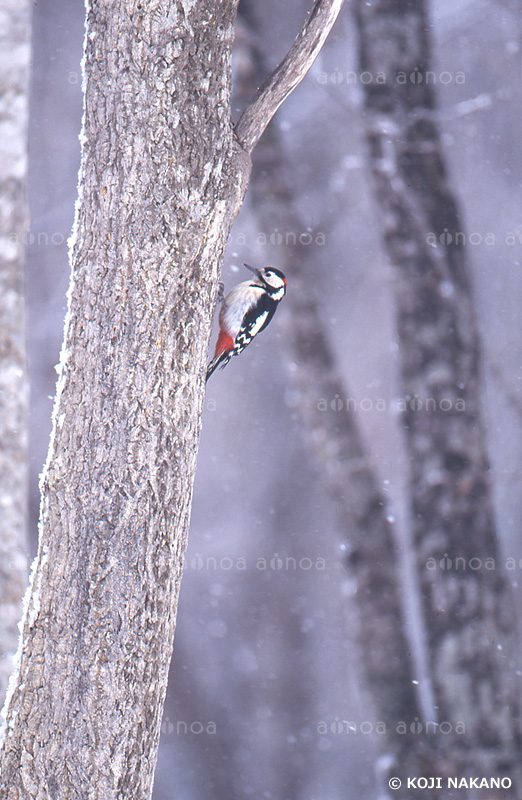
x=224 y=347
x=224 y=343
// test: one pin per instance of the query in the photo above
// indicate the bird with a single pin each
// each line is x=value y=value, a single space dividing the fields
x=246 y=311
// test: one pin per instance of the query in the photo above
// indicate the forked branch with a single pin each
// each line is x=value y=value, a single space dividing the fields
x=288 y=74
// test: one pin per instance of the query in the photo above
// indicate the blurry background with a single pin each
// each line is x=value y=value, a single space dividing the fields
x=267 y=697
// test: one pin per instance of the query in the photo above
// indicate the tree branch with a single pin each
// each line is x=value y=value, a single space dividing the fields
x=288 y=74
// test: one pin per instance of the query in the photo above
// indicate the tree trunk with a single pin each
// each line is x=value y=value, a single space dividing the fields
x=468 y=610
x=14 y=85
x=162 y=178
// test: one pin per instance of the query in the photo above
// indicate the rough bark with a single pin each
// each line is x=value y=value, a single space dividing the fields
x=161 y=180
x=469 y=612
x=14 y=85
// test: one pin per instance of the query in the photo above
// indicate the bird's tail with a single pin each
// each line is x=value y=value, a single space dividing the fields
x=222 y=354
x=221 y=359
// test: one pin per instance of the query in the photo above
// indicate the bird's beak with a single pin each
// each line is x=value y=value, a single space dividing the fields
x=252 y=269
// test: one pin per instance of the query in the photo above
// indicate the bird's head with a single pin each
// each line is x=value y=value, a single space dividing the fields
x=271 y=278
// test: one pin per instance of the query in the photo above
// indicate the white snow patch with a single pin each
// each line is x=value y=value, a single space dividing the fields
x=8 y=248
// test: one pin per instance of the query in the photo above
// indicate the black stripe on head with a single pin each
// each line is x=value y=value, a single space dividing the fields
x=273 y=280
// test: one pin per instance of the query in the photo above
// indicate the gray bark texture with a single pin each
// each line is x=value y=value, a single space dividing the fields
x=161 y=181
x=469 y=612
x=14 y=85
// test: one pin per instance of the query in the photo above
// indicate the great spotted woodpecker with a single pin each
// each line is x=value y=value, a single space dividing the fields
x=245 y=311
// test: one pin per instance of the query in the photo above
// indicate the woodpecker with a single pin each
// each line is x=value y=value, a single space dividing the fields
x=245 y=311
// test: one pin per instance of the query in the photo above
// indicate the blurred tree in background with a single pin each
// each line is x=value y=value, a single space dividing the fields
x=470 y=615
x=15 y=35
x=332 y=434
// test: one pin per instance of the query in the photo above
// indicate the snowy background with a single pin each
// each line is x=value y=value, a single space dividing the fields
x=264 y=660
